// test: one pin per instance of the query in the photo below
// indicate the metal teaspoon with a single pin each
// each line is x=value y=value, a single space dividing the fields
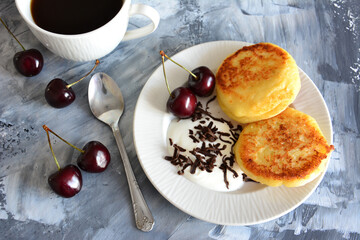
x=107 y=104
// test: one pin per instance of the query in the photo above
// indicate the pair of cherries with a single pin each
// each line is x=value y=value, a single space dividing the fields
x=67 y=181
x=182 y=101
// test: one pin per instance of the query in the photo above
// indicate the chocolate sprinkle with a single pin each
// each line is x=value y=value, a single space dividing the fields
x=208 y=102
x=247 y=179
x=205 y=156
x=195 y=140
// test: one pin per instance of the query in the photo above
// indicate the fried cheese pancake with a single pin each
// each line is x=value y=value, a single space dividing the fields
x=257 y=82
x=287 y=149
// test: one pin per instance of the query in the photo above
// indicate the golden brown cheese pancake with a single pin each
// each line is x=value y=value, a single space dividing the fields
x=287 y=149
x=257 y=82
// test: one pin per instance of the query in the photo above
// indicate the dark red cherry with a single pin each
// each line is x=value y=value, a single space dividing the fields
x=66 y=182
x=182 y=102
x=95 y=159
x=58 y=94
x=204 y=83
x=29 y=62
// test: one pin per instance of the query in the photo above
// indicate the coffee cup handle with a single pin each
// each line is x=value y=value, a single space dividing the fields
x=148 y=12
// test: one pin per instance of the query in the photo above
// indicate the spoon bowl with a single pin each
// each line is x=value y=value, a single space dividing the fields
x=105 y=98
x=107 y=104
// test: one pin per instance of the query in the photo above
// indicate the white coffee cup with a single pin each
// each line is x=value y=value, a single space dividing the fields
x=97 y=43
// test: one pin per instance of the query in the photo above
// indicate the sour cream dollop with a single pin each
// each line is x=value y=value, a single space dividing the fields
x=178 y=132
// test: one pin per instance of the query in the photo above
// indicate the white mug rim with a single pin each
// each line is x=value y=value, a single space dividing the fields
x=66 y=36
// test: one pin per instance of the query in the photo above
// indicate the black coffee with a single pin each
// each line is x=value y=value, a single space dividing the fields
x=73 y=16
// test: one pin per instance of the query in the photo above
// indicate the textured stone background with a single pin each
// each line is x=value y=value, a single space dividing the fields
x=322 y=36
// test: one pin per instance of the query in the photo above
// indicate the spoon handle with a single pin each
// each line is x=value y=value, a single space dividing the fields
x=143 y=217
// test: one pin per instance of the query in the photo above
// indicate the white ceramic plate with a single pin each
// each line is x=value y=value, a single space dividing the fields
x=252 y=204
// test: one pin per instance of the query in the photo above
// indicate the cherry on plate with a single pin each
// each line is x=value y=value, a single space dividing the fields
x=204 y=83
x=182 y=102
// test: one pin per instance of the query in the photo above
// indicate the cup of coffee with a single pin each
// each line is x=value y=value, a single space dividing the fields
x=84 y=30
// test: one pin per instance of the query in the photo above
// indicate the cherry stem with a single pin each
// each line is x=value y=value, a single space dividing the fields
x=52 y=151
x=49 y=130
x=166 y=81
x=96 y=64
x=164 y=55
x=11 y=33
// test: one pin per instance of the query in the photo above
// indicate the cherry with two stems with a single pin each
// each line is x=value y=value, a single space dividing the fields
x=182 y=101
x=201 y=80
x=59 y=93
x=67 y=181
x=27 y=62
